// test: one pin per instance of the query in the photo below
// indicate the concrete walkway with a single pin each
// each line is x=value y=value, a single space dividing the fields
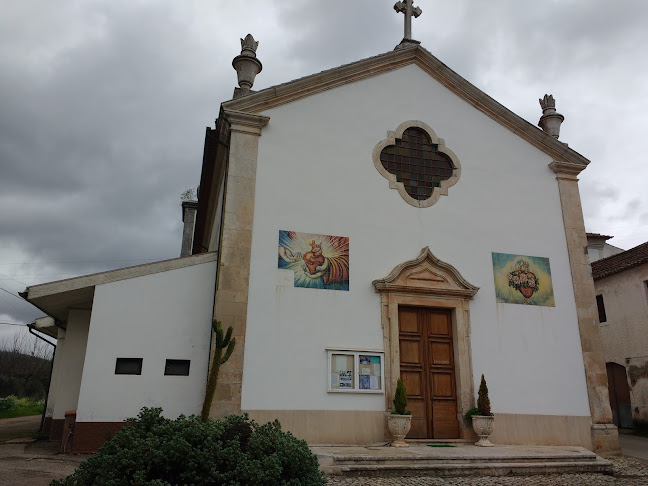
x=634 y=446
x=19 y=427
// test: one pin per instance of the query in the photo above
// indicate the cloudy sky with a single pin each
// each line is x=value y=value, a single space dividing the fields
x=103 y=107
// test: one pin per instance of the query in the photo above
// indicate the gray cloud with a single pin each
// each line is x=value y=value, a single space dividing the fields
x=103 y=106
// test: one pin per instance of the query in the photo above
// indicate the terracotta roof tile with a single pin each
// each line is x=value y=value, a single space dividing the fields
x=621 y=261
x=599 y=235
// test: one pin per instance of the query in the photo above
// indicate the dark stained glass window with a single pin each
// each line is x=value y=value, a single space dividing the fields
x=417 y=163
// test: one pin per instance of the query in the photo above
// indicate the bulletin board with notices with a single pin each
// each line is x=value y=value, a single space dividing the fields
x=355 y=371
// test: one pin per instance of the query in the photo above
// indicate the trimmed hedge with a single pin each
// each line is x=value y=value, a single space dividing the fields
x=153 y=451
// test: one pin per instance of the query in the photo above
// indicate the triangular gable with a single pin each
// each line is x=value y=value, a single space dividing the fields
x=307 y=86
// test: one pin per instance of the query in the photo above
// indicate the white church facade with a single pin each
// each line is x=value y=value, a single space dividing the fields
x=382 y=219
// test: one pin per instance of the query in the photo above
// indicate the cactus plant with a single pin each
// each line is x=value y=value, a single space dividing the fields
x=221 y=343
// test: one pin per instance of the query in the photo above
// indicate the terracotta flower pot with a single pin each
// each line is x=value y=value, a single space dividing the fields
x=483 y=427
x=399 y=426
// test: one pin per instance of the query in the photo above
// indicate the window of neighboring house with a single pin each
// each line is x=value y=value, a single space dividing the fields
x=128 y=366
x=601 y=308
x=178 y=367
x=646 y=288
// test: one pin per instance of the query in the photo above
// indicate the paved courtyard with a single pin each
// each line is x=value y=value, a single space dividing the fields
x=627 y=472
x=37 y=463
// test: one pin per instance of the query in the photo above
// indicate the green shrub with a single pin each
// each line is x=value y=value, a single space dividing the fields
x=400 y=399
x=471 y=412
x=7 y=404
x=483 y=402
x=153 y=451
x=13 y=406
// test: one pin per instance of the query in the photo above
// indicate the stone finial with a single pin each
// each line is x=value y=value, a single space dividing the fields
x=550 y=120
x=247 y=66
x=249 y=46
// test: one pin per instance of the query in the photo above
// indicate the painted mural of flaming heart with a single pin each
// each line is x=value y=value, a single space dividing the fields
x=318 y=261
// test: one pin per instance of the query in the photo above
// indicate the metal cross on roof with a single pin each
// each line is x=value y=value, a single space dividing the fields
x=407 y=7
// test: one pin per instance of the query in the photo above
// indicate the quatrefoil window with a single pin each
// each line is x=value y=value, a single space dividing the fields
x=417 y=163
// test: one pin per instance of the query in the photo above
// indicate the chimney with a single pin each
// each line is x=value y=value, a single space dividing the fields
x=189 y=209
x=247 y=66
x=550 y=120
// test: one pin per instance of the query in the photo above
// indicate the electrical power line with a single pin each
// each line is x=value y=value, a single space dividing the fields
x=11 y=293
x=13 y=324
x=44 y=262
x=11 y=278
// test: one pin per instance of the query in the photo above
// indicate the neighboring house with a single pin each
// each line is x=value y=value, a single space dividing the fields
x=598 y=247
x=382 y=219
x=621 y=283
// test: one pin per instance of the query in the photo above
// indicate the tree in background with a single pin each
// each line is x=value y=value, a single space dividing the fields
x=24 y=366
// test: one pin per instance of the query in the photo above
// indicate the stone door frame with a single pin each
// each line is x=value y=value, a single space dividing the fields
x=426 y=281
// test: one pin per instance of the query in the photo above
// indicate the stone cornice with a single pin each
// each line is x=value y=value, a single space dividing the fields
x=245 y=122
x=566 y=169
x=300 y=88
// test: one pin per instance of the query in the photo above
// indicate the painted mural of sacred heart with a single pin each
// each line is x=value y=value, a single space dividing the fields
x=417 y=163
x=524 y=280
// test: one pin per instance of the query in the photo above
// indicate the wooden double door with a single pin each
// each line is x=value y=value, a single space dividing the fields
x=427 y=370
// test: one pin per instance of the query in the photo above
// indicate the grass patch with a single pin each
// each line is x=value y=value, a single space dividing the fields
x=440 y=445
x=13 y=406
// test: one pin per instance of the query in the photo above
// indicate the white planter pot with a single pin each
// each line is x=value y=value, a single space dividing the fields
x=399 y=426
x=483 y=427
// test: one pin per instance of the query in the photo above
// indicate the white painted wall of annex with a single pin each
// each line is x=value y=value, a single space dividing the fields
x=315 y=174
x=72 y=362
x=156 y=317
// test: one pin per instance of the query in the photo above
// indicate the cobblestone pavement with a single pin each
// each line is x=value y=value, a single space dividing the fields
x=627 y=472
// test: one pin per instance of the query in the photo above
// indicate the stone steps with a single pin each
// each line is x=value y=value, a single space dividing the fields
x=454 y=469
x=459 y=461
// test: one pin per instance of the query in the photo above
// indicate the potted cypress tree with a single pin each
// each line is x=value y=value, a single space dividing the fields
x=482 y=417
x=400 y=420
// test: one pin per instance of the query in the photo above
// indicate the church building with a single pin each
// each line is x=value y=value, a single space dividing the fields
x=383 y=219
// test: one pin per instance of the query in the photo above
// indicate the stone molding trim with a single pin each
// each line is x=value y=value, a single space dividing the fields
x=427 y=281
x=366 y=68
x=437 y=192
x=605 y=439
x=426 y=274
x=234 y=250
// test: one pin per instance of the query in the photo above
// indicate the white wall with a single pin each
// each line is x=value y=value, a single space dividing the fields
x=625 y=332
x=72 y=362
x=605 y=251
x=156 y=317
x=315 y=174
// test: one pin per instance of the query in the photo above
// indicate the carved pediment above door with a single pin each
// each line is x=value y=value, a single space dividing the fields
x=426 y=274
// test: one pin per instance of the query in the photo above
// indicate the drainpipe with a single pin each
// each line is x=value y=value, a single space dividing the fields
x=33 y=331
x=58 y=324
